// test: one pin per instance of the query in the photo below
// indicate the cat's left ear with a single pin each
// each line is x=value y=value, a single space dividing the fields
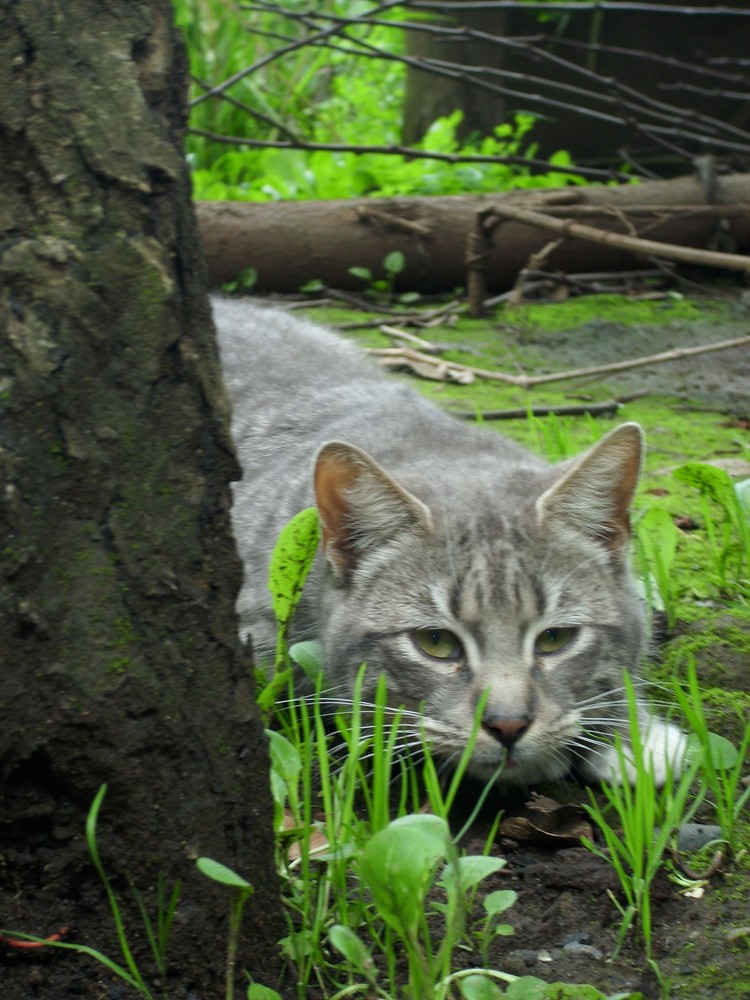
x=595 y=493
x=360 y=506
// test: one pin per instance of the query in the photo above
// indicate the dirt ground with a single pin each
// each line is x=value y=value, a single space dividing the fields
x=565 y=922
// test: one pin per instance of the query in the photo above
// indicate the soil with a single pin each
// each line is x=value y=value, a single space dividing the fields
x=565 y=922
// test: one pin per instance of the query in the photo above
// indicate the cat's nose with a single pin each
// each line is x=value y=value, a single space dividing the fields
x=507 y=731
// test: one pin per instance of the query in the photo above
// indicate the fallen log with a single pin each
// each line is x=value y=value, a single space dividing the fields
x=291 y=243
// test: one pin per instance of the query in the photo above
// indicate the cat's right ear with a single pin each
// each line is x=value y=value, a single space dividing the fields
x=360 y=506
x=595 y=493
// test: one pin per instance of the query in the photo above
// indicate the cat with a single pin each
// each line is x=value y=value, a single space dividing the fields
x=452 y=559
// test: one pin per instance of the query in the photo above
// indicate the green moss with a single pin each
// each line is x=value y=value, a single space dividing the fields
x=584 y=309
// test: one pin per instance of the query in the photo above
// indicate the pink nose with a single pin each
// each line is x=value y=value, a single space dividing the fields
x=507 y=731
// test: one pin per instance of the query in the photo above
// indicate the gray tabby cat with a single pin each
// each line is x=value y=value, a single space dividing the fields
x=452 y=559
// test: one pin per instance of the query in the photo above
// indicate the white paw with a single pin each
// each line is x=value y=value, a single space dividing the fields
x=664 y=747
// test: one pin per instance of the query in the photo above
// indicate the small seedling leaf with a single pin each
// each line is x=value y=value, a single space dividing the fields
x=471 y=871
x=220 y=873
x=361 y=272
x=291 y=560
x=285 y=757
x=353 y=950
x=479 y=988
x=394 y=262
x=499 y=901
x=309 y=656
x=256 y=991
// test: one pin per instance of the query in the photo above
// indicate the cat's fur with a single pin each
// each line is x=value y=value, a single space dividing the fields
x=432 y=524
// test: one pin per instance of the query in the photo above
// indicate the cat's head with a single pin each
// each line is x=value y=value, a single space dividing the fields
x=520 y=589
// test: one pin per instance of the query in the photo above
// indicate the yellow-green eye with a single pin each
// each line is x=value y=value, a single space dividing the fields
x=438 y=642
x=553 y=640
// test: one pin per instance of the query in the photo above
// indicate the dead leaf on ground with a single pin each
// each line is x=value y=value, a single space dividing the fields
x=442 y=371
x=317 y=841
x=545 y=821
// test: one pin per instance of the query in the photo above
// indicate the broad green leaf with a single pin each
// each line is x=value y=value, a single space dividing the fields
x=527 y=988
x=531 y=988
x=291 y=560
x=398 y=865
x=723 y=752
x=220 y=873
x=572 y=991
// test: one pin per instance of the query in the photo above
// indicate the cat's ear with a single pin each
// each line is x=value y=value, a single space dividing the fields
x=360 y=506
x=596 y=490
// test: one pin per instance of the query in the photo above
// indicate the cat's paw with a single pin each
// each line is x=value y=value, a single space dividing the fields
x=664 y=747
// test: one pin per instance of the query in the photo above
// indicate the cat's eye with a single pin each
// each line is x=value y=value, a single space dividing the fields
x=554 y=640
x=438 y=642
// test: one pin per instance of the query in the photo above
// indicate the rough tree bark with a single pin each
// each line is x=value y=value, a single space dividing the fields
x=118 y=650
x=329 y=237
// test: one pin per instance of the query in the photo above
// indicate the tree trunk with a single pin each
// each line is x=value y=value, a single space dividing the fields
x=429 y=96
x=120 y=661
x=329 y=237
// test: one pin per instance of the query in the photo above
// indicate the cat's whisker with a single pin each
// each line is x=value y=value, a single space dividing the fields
x=588 y=749
x=494 y=558
x=604 y=695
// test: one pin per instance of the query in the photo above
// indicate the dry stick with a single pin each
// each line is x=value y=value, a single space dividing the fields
x=534 y=264
x=392 y=331
x=607 y=406
x=526 y=381
x=645 y=248
x=735 y=208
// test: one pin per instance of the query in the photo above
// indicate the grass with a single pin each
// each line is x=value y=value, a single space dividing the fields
x=157 y=933
x=645 y=824
x=721 y=764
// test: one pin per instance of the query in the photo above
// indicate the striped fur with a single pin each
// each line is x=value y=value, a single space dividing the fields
x=433 y=527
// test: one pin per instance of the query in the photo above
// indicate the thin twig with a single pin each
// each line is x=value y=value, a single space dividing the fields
x=633 y=244
x=423 y=345
x=526 y=381
x=607 y=406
